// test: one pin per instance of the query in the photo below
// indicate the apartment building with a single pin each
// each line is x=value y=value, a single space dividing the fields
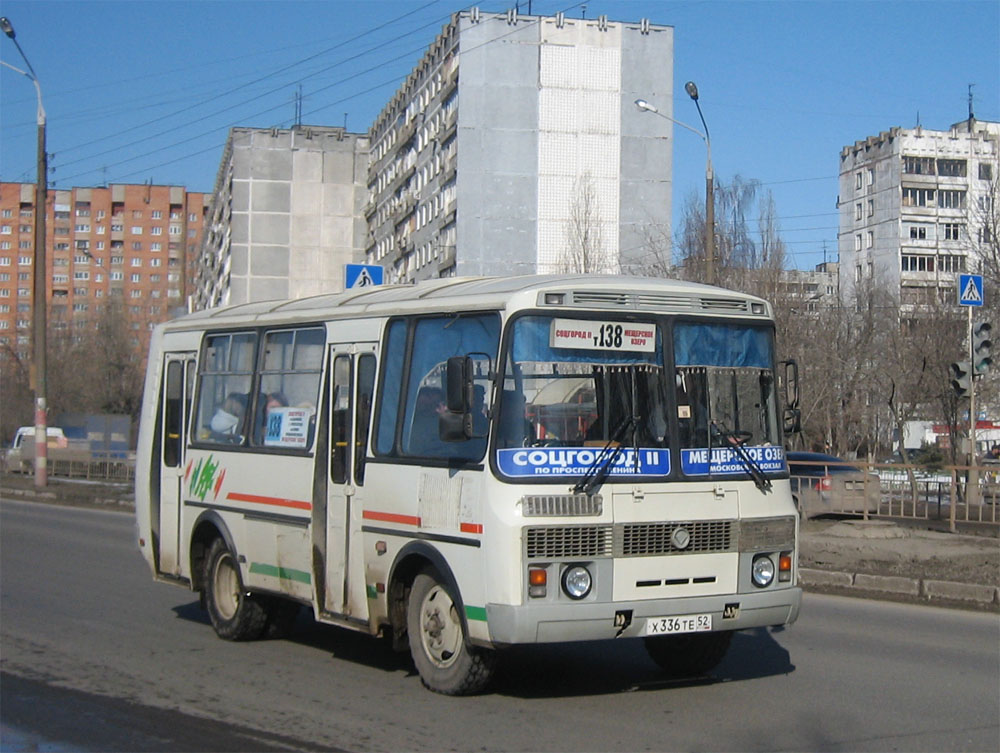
x=514 y=138
x=915 y=207
x=285 y=216
x=133 y=243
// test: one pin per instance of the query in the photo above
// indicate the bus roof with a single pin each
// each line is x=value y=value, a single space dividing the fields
x=611 y=292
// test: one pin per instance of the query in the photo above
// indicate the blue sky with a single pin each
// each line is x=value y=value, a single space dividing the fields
x=138 y=91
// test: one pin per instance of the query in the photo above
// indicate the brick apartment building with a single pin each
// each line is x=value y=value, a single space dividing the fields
x=137 y=243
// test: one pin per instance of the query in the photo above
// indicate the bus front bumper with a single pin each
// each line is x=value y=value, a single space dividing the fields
x=583 y=621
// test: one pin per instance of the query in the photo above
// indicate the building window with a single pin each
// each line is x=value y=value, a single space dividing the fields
x=985 y=171
x=914 y=263
x=918 y=197
x=154 y=262
x=82 y=229
x=869 y=239
x=918 y=165
x=871 y=207
x=117 y=276
x=155 y=246
x=918 y=232
x=24 y=261
x=136 y=261
x=985 y=236
x=137 y=245
x=858 y=211
x=136 y=277
x=137 y=230
x=952 y=231
x=954 y=168
x=857 y=242
x=136 y=214
x=871 y=176
x=951 y=199
x=156 y=231
x=858 y=181
x=157 y=214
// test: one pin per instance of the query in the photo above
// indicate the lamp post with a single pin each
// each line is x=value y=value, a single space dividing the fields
x=692 y=91
x=39 y=303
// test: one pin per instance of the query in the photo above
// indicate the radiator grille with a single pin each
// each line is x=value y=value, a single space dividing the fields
x=560 y=542
x=643 y=539
x=561 y=505
x=656 y=539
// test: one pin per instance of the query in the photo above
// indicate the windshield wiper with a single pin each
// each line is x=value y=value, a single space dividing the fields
x=604 y=461
x=736 y=440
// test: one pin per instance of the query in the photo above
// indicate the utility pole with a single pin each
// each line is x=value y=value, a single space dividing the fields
x=39 y=304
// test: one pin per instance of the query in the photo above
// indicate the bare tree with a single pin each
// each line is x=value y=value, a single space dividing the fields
x=585 y=250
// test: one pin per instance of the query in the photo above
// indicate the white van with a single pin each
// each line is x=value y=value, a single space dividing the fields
x=20 y=460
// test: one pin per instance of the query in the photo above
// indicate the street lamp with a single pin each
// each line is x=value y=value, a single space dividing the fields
x=39 y=304
x=692 y=91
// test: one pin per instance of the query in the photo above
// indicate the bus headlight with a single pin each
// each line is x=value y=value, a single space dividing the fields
x=762 y=571
x=577 y=581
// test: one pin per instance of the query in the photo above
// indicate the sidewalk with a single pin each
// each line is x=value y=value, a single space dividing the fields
x=882 y=559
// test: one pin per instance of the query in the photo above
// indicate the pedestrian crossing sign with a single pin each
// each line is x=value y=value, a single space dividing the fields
x=363 y=275
x=970 y=290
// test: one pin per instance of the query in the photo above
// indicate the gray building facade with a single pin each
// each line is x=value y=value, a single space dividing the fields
x=514 y=147
x=914 y=209
x=285 y=215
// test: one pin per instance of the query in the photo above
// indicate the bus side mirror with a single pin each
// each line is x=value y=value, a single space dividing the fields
x=459 y=384
x=455 y=424
x=791 y=383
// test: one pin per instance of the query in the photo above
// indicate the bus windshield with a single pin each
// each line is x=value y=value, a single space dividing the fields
x=573 y=390
x=725 y=399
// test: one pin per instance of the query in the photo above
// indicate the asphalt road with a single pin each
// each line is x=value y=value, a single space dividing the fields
x=96 y=656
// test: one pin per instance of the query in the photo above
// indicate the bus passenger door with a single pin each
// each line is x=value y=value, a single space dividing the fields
x=351 y=384
x=178 y=384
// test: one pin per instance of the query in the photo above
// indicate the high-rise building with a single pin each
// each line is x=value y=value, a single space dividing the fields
x=285 y=215
x=914 y=208
x=127 y=243
x=514 y=147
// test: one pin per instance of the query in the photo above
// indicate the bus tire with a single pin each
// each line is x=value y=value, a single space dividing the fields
x=235 y=614
x=689 y=654
x=447 y=663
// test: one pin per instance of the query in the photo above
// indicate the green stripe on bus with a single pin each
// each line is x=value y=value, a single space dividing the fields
x=475 y=613
x=372 y=592
x=284 y=573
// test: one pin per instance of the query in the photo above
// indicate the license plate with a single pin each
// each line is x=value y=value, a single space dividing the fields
x=685 y=623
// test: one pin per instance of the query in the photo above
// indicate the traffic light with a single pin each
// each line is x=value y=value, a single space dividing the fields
x=961 y=378
x=981 y=346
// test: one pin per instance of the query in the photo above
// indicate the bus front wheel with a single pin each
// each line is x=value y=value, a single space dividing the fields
x=235 y=615
x=441 y=652
x=688 y=654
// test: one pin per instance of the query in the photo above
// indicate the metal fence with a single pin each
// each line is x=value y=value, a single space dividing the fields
x=94 y=468
x=956 y=494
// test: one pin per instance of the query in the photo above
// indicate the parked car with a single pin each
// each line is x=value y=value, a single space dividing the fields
x=827 y=484
x=21 y=453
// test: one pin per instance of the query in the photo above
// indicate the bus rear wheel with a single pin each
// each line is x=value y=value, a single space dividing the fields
x=447 y=663
x=235 y=615
x=689 y=654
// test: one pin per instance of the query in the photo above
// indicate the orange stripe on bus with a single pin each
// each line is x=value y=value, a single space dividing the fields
x=471 y=527
x=277 y=501
x=391 y=517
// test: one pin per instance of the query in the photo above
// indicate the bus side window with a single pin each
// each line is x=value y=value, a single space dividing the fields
x=366 y=391
x=341 y=426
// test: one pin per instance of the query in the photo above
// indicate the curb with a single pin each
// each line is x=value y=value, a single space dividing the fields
x=910 y=587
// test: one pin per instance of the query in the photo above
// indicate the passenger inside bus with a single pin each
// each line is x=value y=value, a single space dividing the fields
x=227 y=423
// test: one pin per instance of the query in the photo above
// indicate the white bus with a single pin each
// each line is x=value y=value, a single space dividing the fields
x=468 y=464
